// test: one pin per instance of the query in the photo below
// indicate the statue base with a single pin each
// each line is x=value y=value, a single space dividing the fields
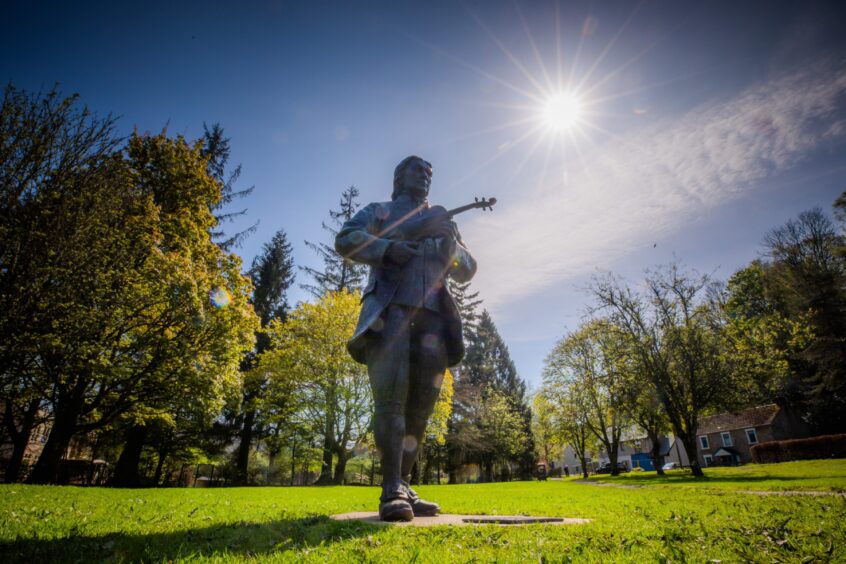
x=460 y=520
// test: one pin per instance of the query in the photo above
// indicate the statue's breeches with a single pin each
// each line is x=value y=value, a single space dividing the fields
x=406 y=361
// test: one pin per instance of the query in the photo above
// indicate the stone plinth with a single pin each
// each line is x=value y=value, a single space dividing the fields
x=460 y=520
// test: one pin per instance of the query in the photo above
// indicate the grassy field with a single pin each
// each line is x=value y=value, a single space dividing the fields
x=669 y=520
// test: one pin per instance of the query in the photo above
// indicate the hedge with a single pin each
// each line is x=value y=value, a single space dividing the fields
x=824 y=446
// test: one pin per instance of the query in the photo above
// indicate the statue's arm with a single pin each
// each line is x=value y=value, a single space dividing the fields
x=357 y=240
x=462 y=266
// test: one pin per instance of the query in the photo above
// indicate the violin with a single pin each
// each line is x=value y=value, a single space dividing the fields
x=431 y=221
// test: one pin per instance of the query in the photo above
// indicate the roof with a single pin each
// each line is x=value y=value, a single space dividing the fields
x=760 y=416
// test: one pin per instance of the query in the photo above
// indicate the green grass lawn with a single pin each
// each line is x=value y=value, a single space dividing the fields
x=824 y=475
x=673 y=522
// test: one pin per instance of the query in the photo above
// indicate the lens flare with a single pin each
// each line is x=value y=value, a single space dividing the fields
x=220 y=297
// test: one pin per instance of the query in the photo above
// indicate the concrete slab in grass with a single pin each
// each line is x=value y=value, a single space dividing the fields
x=461 y=520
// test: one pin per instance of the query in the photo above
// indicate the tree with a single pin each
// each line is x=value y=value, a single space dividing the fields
x=764 y=345
x=591 y=359
x=434 y=444
x=128 y=323
x=671 y=330
x=569 y=406
x=339 y=274
x=503 y=430
x=488 y=366
x=808 y=274
x=468 y=306
x=642 y=403
x=331 y=391
x=272 y=273
x=544 y=426
x=216 y=150
x=48 y=146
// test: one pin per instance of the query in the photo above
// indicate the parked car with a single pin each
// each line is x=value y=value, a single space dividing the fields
x=605 y=468
x=670 y=466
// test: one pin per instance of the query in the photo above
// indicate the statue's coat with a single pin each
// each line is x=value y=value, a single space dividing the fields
x=361 y=239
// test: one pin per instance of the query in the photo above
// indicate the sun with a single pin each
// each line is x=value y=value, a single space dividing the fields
x=562 y=111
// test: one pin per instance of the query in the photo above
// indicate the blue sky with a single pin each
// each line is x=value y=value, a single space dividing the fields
x=701 y=124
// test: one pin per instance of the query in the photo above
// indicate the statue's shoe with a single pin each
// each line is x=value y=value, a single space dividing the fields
x=421 y=507
x=396 y=509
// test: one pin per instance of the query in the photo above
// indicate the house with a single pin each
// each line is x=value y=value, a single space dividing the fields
x=635 y=450
x=723 y=439
x=726 y=438
x=569 y=460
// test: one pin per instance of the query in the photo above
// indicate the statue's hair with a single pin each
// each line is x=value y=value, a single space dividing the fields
x=399 y=171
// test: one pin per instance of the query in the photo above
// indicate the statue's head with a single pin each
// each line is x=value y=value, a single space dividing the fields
x=412 y=175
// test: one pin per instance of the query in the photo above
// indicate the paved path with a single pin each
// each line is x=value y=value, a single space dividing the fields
x=751 y=492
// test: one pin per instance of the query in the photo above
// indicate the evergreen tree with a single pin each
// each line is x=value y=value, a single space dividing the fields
x=468 y=306
x=488 y=373
x=338 y=274
x=272 y=273
x=488 y=362
x=216 y=150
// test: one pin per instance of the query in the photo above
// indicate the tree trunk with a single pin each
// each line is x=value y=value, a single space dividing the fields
x=242 y=461
x=20 y=438
x=657 y=459
x=340 y=468
x=692 y=455
x=326 y=468
x=487 y=473
x=293 y=461
x=13 y=468
x=68 y=408
x=126 y=470
x=427 y=466
x=612 y=458
x=159 y=466
x=273 y=451
x=415 y=468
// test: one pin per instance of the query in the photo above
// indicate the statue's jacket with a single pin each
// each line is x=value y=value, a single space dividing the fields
x=421 y=282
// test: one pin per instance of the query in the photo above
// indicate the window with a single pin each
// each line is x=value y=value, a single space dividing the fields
x=708 y=460
x=703 y=443
x=726 y=439
x=752 y=436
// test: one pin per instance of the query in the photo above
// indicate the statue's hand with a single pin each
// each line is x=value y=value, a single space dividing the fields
x=449 y=239
x=400 y=252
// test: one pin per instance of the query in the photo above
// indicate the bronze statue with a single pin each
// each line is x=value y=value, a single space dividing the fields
x=409 y=329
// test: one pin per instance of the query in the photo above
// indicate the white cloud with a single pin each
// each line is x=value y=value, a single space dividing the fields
x=649 y=185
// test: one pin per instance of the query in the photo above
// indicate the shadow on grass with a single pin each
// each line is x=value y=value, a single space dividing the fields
x=238 y=539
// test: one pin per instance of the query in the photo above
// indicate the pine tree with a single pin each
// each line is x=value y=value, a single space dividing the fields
x=488 y=362
x=272 y=273
x=216 y=150
x=487 y=375
x=468 y=305
x=338 y=273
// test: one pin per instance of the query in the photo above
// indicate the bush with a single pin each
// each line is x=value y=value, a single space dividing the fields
x=824 y=446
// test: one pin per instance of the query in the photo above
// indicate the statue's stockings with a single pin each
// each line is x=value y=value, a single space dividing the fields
x=406 y=362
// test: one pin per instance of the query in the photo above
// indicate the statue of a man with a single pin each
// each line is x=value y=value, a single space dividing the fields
x=409 y=329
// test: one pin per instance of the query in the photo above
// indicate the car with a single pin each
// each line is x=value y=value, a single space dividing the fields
x=670 y=466
x=605 y=468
